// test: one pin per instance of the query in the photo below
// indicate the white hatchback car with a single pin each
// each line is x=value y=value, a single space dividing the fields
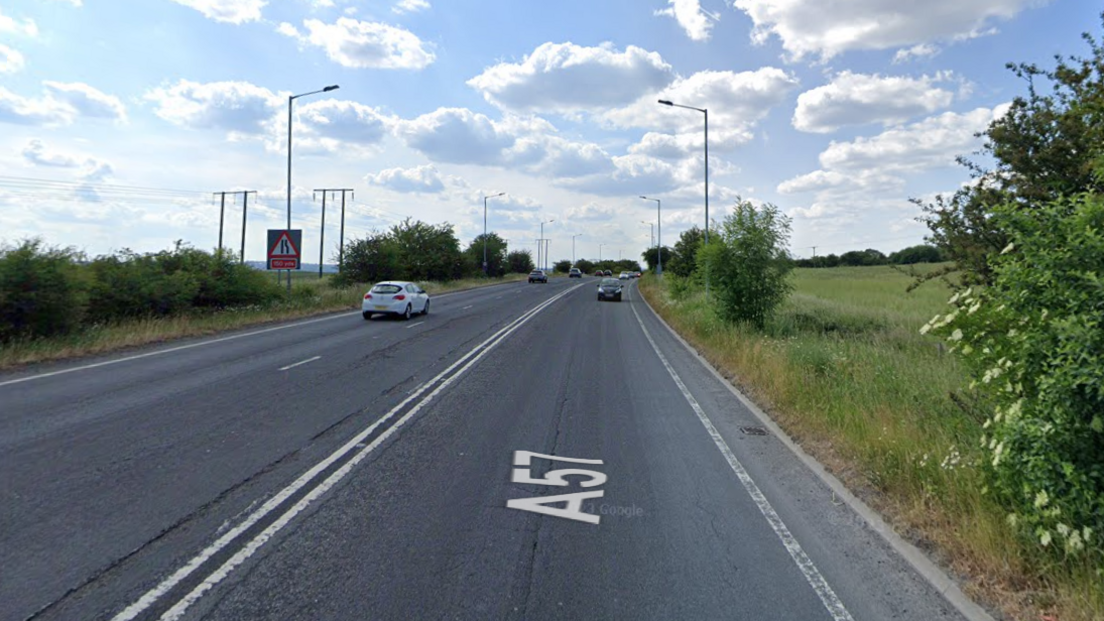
x=395 y=297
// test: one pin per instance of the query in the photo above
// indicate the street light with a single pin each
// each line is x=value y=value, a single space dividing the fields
x=543 y=259
x=706 y=113
x=573 y=248
x=651 y=227
x=600 y=252
x=485 y=229
x=659 y=238
x=292 y=98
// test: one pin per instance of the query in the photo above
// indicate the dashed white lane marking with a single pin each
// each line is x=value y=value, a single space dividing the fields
x=292 y=366
x=414 y=325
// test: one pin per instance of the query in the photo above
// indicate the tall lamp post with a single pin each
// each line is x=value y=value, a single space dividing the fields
x=706 y=113
x=659 y=238
x=651 y=227
x=600 y=252
x=544 y=259
x=485 y=229
x=573 y=248
x=292 y=98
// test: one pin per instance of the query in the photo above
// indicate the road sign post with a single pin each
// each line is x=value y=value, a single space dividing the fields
x=284 y=250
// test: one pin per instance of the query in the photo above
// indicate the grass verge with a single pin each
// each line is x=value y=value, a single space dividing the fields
x=843 y=369
x=309 y=297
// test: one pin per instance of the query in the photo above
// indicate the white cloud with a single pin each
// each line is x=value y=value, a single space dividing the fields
x=86 y=100
x=736 y=101
x=920 y=50
x=11 y=60
x=809 y=27
x=689 y=15
x=591 y=211
x=346 y=121
x=229 y=11
x=678 y=146
x=635 y=174
x=36 y=153
x=456 y=135
x=410 y=6
x=76 y=3
x=364 y=45
x=425 y=179
x=564 y=78
x=237 y=107
x=859 y=99
x=12 y=25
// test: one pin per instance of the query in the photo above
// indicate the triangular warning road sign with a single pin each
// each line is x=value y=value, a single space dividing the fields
x=284 y=248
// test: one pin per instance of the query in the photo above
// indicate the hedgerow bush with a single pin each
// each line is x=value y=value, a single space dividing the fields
x=42 y=290
x=1034 y=339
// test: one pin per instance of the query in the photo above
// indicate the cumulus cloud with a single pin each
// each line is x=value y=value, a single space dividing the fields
x=456 y=135
x=11 y=25
x=860 y=99
x=86 y=101
x=228 y=11
x=735 y=100
x=363 y=45
x=62 y=103
x=565 y=78
x=425 y=179
x=920 y=50
x=410 y=6
x=347 y=121
x=813 y=27
x=36 y=153
x=236 y=107
x=691 y=17
x=677 y=146
x=11 y=60
x=591 y=211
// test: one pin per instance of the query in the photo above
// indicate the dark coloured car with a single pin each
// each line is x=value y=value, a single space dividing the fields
x=538 y=276
x=575 y=273
x=609 y=289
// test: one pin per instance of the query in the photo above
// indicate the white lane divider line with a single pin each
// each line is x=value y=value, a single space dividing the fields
x=292 y=366
x=812 y=575
x=468 y=306
x=153 y=595
x=414 y=325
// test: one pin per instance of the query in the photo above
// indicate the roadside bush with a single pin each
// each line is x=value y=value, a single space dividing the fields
x=520 y=262
x=42 y=290
x=1034 y=340
x=747 y=264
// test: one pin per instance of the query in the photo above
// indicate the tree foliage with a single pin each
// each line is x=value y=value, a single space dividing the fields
x=683 y=259
x=747 y=264
x=561 y=266
x=1045 y=146
x=42 y=291
x=409 y=250
x=520 y=261
x=1034 y=339
x=496 y=255
x=651 y=257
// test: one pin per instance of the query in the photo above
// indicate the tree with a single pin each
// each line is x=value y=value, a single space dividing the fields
x=370 y=259
x=520 y=262
x=426 y=251
x=496 y=255
x=651 y=257
x=869 y=256
x=747 y=263
x=924 y=253
x=684 y=255
x=1044 y=147
x=561 y=266
x=42 y=292
x=585 y=266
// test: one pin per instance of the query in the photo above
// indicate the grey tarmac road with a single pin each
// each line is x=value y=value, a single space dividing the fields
x=135 y=487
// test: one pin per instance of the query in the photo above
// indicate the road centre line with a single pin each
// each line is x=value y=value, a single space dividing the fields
x=192 y=345
x=812 y=575
x=292 y=366
x=468 y=306
x=178 y=609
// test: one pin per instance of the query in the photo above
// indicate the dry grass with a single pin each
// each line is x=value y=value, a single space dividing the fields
x=309 y=297
x=844 y=370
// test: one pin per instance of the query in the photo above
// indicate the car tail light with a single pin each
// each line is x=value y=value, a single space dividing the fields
x=400 y=297
x=367 y=296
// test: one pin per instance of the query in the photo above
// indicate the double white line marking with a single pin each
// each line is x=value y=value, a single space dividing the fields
x=441 y=381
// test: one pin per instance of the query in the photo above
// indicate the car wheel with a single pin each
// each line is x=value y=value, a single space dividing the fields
x=406 y=313
x=425 y=311
x=366 y=316
x=618 y=298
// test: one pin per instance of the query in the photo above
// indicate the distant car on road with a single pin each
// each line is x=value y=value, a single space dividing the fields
x=609 y=289
x=637 y=275
x=624 y=276
x=575 y=273
x=538 y=276
x=607 y=273
x=395 y=297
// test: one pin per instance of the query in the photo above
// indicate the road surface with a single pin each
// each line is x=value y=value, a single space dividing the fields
x=337 y=468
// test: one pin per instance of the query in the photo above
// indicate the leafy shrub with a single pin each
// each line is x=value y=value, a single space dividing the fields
x=747 y=264
x=42 y=290
x=1034 y=340
x=520 y=262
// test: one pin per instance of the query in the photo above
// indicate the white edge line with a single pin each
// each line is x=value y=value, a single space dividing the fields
x=931 y=572
x=232 y=337
x=812 y=575
x=151 y=596
x=292 y=366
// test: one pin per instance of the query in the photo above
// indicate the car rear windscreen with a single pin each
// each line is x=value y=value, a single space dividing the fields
x=386 y=289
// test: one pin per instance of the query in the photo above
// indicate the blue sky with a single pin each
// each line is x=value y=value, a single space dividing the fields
x=120 y=118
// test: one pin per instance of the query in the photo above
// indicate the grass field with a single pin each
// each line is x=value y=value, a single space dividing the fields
x=844 y=370
x=310 y=296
